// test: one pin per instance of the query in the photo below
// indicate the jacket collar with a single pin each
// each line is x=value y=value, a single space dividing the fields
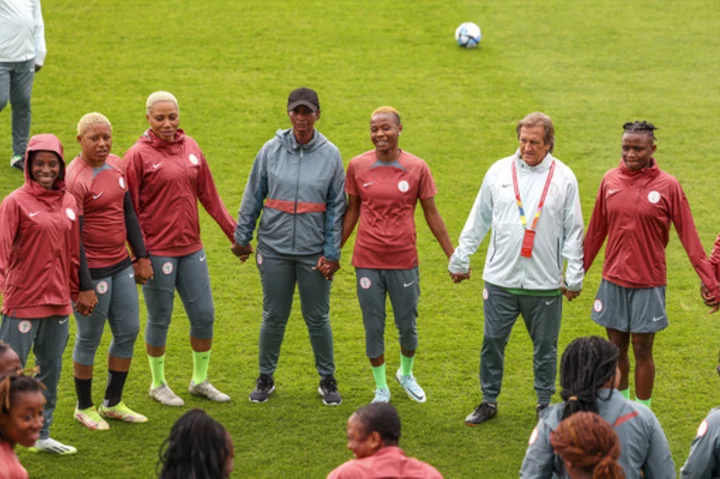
x=544 y=165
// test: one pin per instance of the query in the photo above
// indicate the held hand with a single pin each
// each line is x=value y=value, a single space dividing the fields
x=460 y=277
x=709 y=299
x=86 y=302
x=37 y=67
x=143 y=270
x=570 y=295
x=326 y=267
x=242 y=251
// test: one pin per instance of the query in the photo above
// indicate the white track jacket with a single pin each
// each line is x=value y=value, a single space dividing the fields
x=559 y=232
x=22 y=31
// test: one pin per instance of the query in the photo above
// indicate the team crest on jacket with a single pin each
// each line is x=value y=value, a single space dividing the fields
x=653 y=197
x=598 y=305
x=365 y=282
x=259 y=258
x=70 y=214
x=193 y=159
x=702 y=428
x=167 y=268
x=122 y=182
x=403 y=186
x=486 y=295
x=24 y=326
x=101 y=287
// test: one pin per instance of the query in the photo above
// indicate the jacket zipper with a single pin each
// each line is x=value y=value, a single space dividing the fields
x=297 y=192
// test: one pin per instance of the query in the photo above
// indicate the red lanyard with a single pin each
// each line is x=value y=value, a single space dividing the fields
x=529 y=238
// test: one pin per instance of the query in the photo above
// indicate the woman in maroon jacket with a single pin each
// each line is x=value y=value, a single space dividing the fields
x=167 y=174
x=634 y=208
x=41 y=262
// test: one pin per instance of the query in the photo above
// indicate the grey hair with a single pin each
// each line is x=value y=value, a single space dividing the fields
x=93 y=118
x=159 y=96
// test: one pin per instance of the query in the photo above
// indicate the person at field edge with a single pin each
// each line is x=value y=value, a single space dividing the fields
x=22 y=54
x=21 y=418
x=589 y=376
x=530 y=200
x=588 y=446
x=300 y=177
x=373 y=433
x=167 y=174
x=96 y=179
x=635 y=204
x=383 y=187
x=703 y=462
x=198 y=447
x=39 y=221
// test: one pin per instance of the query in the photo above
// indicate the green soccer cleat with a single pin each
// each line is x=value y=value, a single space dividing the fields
x=120 y=412
x=91 y=419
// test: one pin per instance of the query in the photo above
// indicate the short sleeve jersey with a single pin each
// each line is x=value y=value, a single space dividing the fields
x=100 y=193
x=386 y=237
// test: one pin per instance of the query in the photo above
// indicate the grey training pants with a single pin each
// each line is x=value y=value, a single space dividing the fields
x=189 y=274
x=48 y=338
x=16 y=80
x=542 y=315
x=373 y=287
x=278 y=276
x=118 y=302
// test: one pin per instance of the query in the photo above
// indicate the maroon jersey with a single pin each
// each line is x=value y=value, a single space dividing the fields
x=39 y=243
x=166 y=180
x=634 y=210
x=99 y=193
x=386 y=237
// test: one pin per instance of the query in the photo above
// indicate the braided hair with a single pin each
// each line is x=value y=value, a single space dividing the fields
x=640 y=127
x=587 y=365
x=197 y=448
x=589 y=443
x=10 y=386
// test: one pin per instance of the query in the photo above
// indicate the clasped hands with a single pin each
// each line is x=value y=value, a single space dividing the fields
x=710 y=299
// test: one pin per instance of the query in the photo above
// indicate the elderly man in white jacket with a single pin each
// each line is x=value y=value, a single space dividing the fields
x=530 y=201
x=22 y=53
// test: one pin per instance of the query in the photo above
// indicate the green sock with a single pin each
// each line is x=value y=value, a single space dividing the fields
x=200 y=365
x=625 y=392
x=380 y=377
x=157 y=368
x=406 y=365
x=644 y=402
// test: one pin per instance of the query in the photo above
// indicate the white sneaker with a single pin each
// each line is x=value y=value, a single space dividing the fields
x=208 y=391
x=52 y=446
x=164 y=395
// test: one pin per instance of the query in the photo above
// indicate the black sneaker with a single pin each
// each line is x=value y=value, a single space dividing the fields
x=539 y=409
x=482 y=413
x=264 y=386
x=329 y=391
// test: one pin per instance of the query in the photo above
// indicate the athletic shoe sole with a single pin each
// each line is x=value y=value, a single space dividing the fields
x=266 y=397
x=320 y=392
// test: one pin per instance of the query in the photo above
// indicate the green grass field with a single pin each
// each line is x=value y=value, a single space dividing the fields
x=590 y=65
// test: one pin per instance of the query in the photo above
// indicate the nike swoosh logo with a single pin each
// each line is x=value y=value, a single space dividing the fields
x=63 y=321
x=405 y=285
x=132 y=275
x=98 y=195
x=365 y=185
x=506 y=185
x=156 y=166
x=658 y=318
x=33 y=214
x=548 y=303
x=202 y=259
x=612 y=192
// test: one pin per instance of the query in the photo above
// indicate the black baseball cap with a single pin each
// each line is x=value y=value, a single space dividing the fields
x=303 y=96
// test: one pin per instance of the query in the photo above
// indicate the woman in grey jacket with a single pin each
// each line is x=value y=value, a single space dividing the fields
x=298 y=183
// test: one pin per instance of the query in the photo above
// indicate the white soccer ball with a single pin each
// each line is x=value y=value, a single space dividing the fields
x=468 y=35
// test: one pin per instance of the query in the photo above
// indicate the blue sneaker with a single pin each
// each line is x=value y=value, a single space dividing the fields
x=382 y=395
x=17 y=161
x=411 y=386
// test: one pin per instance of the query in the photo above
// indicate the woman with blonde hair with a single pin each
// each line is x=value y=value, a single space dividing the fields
x=167 y=174
x=107 y=220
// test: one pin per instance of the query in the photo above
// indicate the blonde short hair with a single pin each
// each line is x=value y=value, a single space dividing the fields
x=93 y=118
x=159 y=96
x=387 y=109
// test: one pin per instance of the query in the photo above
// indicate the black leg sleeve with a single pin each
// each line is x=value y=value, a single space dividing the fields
x=132 y=226
x=84 y=272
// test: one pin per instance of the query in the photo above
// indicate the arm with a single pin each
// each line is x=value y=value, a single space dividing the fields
x=715 y=257
x=685 y=227
x=86 y=299
x=702 y=463
x=539 y=457
x=659 y=463
x=597 y=229
x=335 y=202
x=9 y=227
x=132 y=227
x=352 y=214
x=133 y=174
x=572 y=249
x=437 y=225
x=210 y=199
x=476 y=227
x=256 y=190
x=39 y=34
